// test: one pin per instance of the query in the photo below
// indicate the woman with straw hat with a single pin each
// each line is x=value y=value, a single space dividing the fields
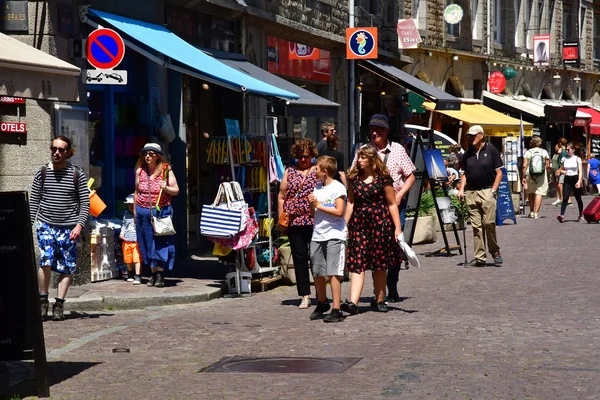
x=155 y=186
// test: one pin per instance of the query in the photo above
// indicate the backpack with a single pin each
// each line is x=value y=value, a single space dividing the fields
x=536 y=163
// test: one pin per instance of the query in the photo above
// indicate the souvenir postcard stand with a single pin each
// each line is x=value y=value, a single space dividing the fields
x=233 y=131
x=424 y=141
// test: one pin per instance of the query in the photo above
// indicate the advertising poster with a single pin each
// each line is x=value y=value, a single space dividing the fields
x=571 y=54
x=541 y=50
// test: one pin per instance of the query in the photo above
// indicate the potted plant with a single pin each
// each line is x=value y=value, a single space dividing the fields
x=425 y=231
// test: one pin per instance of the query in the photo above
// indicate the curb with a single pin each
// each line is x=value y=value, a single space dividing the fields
x=95 y=302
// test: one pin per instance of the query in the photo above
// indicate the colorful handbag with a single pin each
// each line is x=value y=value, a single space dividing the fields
x=242 y=239
x=278 y=162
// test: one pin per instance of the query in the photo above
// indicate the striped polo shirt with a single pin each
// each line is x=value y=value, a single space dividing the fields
x=59 y=203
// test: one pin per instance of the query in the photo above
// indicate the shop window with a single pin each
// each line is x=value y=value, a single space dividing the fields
x=568 y=23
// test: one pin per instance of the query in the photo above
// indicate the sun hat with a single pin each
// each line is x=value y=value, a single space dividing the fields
x=129 y=199
x=475 y=129
x=379 y=120
x=155 y=147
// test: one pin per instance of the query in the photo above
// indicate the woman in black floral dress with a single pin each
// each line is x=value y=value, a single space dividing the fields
x=373 y=223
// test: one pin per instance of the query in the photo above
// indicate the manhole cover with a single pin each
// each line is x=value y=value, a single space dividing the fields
x=283 y=365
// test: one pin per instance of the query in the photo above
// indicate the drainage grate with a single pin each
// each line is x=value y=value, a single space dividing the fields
x=283 y=365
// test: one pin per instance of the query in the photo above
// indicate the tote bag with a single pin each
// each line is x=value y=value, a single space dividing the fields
x=278 y=162
x=221 y=219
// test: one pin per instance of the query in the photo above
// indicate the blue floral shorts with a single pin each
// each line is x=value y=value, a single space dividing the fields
x=57 y=250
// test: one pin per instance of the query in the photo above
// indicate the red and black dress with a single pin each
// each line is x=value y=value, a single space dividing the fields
x=371 y=242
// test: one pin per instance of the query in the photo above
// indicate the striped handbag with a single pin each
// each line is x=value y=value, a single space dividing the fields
x=221 y=218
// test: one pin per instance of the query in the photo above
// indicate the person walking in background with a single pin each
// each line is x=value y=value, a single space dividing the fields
x=562 y=154
x=479 y=187
x=572 y=169
x=373 y=222
x=332 y=151
x=536 y=172
x=593 y=171
x=328 y=245
x=297 y=184
x=153 y=177
x=59 y=207
x=327 y=128
x=129 y=246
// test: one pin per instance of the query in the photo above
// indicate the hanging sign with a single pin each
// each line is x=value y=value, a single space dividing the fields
x=571 y=54
x=361 y=43
x=541 y=50
x=13 y=127
x=497 y=82
x=14 y=16
x=104 y=48
x=453 y=14
x=408 y=34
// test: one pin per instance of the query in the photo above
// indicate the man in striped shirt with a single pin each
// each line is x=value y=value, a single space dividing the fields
x=59 y=206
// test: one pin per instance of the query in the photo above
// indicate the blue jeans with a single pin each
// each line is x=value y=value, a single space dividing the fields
x=156 y=251
x=392 y=273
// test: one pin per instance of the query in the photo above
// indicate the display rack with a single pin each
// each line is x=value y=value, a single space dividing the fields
x=233 y=132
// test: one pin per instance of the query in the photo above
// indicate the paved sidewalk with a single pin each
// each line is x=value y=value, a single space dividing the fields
x=191 y=281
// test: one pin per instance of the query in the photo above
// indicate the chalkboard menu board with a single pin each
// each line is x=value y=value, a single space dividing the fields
x=21 y=334
x=595 y=146
x=504 y=204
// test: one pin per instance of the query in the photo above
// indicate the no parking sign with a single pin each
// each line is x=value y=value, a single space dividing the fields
x=105 y=50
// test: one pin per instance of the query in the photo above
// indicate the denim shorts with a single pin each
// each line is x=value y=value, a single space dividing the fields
x=57 y=250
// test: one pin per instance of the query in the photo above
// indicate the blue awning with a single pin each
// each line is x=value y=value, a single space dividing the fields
x=170 y=45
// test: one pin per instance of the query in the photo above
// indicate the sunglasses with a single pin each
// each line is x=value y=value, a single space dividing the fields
x=303 y=157
x=61 y=150
x=149 y=153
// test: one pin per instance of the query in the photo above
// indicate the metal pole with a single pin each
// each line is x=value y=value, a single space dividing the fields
x=351 y=88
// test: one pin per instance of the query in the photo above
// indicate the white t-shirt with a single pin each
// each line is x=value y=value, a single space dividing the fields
x=571 y=165
x=328 y=226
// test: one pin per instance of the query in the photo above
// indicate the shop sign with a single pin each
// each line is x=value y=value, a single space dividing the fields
x=560 y=114
x=497 y=82
x=14 y=16
x=571 y=54
x=13 y=127
x=361 y=43
x=408 y=34
x=104 y=48
x=303 y=52
x=541 y=50
x=11 y=100
x=279 y=62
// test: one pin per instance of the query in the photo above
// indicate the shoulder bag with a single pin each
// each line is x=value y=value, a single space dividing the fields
x=162 y=226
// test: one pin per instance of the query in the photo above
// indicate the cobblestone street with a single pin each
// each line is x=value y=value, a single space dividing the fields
x=527 y=330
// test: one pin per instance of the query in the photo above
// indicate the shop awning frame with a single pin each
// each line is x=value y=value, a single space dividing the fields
x=442 y=100
x=494 y=123
x=193 y=61
x=28 y=72
x=308 y=104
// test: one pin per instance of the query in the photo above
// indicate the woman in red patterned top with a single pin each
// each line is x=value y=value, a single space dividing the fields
x=152 y=174
x=297 y=184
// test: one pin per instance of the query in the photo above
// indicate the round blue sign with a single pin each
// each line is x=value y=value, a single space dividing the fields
x=362 y=43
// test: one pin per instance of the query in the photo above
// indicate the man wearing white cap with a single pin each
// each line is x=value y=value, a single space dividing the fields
x=479 y=187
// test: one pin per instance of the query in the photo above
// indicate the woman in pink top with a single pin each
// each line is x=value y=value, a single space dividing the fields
x=156 y=251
